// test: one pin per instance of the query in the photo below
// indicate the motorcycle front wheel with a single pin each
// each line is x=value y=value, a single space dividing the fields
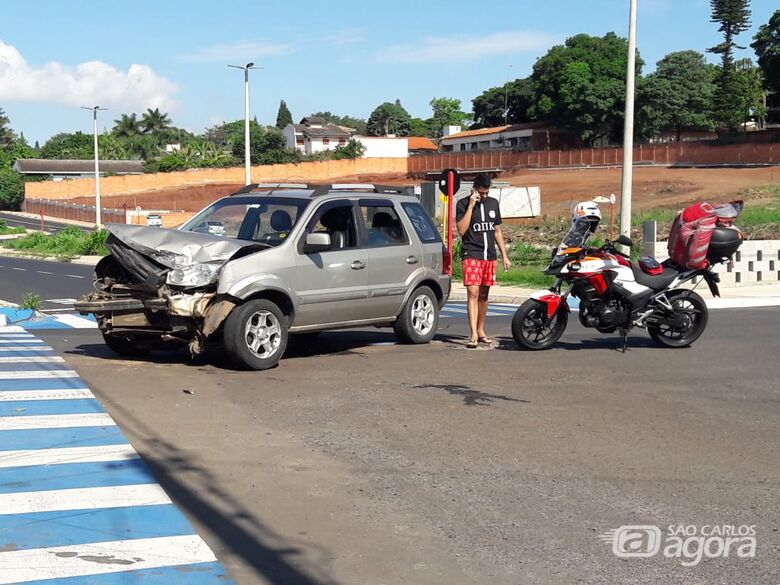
x=692 y=309
x=533 y=330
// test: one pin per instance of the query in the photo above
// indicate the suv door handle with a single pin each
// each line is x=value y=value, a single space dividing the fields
x=412 y=259
x=358 y=265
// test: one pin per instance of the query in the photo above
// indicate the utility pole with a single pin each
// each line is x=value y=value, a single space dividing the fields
x=95 y=110
x=628 y=128
x=247 y=158
x=506 y=95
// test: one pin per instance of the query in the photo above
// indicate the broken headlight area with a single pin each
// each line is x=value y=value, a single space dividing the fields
x=194 y=275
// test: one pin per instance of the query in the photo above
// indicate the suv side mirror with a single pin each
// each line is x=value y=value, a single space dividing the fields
x=624 y=240
x=316 y=243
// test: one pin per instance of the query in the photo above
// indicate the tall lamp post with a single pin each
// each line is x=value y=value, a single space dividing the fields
x=506 y=95
x=95 y=110
x=247 y=166
x=628 y=128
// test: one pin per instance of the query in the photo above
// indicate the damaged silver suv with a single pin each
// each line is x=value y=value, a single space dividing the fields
x=286 y=259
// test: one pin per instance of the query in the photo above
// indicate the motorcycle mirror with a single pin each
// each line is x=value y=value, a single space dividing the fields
x=624 y=241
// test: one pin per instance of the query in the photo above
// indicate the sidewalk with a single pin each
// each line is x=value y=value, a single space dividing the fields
x=761 y=295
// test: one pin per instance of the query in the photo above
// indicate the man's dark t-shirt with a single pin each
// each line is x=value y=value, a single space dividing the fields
x=479 y=241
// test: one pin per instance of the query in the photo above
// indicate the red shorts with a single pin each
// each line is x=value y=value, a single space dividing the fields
x=479 y=272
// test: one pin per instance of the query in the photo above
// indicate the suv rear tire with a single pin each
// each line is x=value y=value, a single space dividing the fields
x=256 y=334
x=419 y=318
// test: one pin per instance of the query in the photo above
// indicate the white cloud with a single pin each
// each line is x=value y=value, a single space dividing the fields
x=239 y=52
x=466 y=47
x=345 y=37
x=89 y=83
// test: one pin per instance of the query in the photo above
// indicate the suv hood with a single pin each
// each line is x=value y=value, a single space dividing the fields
x=174 y=248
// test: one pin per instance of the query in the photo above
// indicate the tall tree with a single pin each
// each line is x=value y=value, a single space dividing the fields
x=749 y=91
x=581 y=86
x=389 y=118
x=509 y=103
x=127 y=125
x=733 y=16
x=766 y=44
x=68 y=146
x=7 y=135
x=446 y=112
x=154 y=121
x=678 y=96
x=283 y=116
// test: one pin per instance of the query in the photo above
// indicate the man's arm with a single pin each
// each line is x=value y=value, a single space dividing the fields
x=463 y=223
x=502 y=248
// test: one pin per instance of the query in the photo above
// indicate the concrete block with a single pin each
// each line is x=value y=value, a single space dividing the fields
x=728 y=279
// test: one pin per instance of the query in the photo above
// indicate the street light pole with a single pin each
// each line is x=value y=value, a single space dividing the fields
x=628 y=128
x=95 y=110
x=247 y=158
x=506 y=96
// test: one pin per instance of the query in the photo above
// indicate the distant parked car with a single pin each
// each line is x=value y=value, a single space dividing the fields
x=153 y=220
x=216 y=228
x=286 y=260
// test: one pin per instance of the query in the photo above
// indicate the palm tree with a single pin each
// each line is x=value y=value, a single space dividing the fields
x=153 y=121
x=126 y=126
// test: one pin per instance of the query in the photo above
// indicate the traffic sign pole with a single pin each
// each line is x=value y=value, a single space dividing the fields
x=450 y=197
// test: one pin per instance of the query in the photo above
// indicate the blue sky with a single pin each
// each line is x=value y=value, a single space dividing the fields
x=345 y=56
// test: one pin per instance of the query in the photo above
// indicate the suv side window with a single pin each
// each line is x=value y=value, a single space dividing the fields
x=422 y=222
x=383 y=226
x=338 y=220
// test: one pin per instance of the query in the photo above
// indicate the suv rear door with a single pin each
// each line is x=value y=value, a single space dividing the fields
x=394 y=255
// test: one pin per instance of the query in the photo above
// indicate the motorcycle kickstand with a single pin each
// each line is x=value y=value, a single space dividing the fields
x=624 y=335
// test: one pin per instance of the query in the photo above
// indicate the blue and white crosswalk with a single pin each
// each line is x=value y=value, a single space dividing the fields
x=30 y=320
x=455 y=309
x=77 y=503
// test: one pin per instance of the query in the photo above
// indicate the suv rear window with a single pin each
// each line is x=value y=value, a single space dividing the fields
x=422 y=222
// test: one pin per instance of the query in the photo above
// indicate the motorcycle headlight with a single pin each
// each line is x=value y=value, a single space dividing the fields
x=193 y=275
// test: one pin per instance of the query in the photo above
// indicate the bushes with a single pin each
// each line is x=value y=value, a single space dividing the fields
x=11 y=189
x=67 y=243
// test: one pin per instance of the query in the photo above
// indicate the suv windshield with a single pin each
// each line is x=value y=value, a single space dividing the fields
x=267 y=220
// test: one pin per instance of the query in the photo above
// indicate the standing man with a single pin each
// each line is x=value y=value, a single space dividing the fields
x=478 y=220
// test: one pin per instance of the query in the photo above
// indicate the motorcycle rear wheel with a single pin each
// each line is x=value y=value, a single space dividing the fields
x=692 y=307
x=533 y=330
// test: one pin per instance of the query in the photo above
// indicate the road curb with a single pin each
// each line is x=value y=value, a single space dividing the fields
x=86 y=260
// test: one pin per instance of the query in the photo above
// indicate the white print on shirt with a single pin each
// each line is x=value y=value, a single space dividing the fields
x=484 y=234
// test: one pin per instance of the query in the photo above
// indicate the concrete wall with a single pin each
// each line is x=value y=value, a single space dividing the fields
x=303 y=172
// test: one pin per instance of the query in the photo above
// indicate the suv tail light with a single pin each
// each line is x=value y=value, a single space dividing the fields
x=446 y=265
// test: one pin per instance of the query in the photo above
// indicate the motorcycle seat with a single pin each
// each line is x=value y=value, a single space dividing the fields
x=657 y=282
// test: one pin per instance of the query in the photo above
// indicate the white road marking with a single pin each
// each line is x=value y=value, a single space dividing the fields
x=74 y=276
x=75 y=321
x=19 y=269
x=15 y=341
x=26 y=348
x=33 y=374
x=61 y=301
x=56 y=394
x=55 y=421
x=98 y=454
x=148 y=494
x=61 y=562
x=31 y=360
x=43 y=272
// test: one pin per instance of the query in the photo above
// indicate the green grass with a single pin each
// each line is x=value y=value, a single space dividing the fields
x=30 y=301
x=66 y=244
x=5 y=230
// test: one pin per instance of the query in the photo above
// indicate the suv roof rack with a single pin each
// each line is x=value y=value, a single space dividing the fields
x=359 y=187
x=250 y=188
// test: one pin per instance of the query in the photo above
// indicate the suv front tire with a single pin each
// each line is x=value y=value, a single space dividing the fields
x=256 y=334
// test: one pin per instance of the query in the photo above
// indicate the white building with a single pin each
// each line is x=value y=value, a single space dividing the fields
x=384 y=146
x=314 y=135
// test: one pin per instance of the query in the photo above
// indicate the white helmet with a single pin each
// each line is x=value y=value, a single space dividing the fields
x=590 y=211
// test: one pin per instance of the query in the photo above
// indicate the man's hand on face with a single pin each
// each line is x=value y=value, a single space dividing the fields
x=474 y=198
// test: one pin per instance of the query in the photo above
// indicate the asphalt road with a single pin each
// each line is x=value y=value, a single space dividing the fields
x=56 y=281
x=52 y=226
x=353 y=462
